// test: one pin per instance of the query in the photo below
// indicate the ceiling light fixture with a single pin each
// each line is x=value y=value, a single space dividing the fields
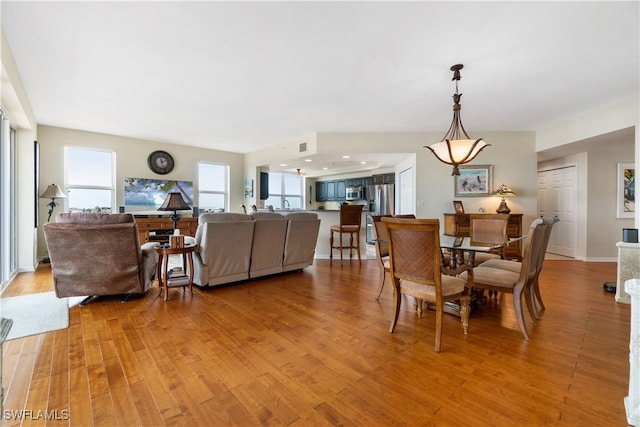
x=299 y=173
x=451 y=149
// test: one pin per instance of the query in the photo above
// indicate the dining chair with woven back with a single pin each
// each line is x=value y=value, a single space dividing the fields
x=414 y=264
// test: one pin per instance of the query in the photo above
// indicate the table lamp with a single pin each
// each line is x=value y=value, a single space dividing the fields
x=503 y=191
x=52 y=192
x=174 y=202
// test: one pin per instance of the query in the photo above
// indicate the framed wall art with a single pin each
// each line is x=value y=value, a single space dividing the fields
x=473 y=181
x=626 y=200
x=248 y=188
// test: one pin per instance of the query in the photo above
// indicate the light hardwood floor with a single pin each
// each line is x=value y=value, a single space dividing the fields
x=313 y=348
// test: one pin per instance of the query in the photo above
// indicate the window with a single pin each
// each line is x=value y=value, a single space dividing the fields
x=213 y=187
x=285 y=191
x=90 y=180
x=8 y=205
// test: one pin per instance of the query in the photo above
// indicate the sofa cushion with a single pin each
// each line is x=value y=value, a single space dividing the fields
x=93 y=218
x=265 y=215
x=218 y=217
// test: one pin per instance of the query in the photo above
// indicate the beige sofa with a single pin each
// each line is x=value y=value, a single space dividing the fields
x=231 y=247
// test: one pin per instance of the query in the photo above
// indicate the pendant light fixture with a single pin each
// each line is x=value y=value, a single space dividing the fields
x=453 y=150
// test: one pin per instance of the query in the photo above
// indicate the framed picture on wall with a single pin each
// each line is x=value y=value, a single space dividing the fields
x=248 y=188
x=473 y=181
x=626 y=204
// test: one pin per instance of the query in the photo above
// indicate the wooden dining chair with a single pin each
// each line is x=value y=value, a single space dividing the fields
x=414 y=264
x=350 y=221
x=381 y=244
x=516 y=283
x=488 y=228
x=515 y=266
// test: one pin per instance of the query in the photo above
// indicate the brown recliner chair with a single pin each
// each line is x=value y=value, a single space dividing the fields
x=99 y=254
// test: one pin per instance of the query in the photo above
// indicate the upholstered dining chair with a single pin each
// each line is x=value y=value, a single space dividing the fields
x=414 y=264
x=350 y=221
x=516 y=283
x=488 y=228
x=515 y=266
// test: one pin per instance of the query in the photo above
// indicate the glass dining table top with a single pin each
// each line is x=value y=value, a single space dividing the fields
x=466 y=244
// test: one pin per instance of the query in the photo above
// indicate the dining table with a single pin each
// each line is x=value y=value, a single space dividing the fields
x=456 y=246
x=456 y=263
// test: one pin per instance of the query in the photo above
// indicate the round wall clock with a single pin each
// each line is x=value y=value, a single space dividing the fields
x=160 y=162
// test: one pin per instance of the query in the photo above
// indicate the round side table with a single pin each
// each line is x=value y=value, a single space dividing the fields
x=164 y=280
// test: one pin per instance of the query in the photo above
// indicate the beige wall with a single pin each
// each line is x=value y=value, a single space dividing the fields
x=598 y=229
x=604 y=229
x=16 y=105
x=131 y=161
x=512 y=155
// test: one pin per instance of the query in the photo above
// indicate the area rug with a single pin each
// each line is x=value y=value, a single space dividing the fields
x=34 y=314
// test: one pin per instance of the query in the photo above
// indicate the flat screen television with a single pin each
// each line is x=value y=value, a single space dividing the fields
x=144 y=196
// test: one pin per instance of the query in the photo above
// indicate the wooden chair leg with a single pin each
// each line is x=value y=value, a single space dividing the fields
x=517 y=305
x=384 y=276
x=465 y=309
x=396 y=310
x=331 y=246
x=438 y=326
x=536 y=289
x=350 y=245
x=530 y=302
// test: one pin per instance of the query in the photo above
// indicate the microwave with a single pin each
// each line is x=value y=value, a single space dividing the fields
x=355 y=193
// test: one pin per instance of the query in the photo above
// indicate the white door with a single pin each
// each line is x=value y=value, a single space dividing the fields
x=406 y=196
x=558 y=196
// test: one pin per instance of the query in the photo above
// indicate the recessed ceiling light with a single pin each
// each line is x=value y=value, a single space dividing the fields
x=345 y=157
x=283 y=164
x=363 y=163
x=325 y=168
x=308 y=160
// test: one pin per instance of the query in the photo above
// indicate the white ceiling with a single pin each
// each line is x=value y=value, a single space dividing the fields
x=239 y=76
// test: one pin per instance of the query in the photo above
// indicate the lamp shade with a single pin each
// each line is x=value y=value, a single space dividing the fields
x=503 y=191
x=174 y=202
x=457 y=152
x=453 y=149
x=53 y=192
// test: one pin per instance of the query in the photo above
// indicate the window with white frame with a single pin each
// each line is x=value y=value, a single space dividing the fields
x=285 y=190
x=8 y=201
x=90 y=179
x=213 y=187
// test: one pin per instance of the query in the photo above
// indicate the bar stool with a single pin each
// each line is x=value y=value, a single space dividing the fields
x=350 y=220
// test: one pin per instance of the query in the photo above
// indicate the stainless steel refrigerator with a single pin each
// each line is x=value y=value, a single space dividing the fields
x=381 y=202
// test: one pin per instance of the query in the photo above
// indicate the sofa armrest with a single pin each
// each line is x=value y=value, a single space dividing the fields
x=149 y=263
x=149 y=247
